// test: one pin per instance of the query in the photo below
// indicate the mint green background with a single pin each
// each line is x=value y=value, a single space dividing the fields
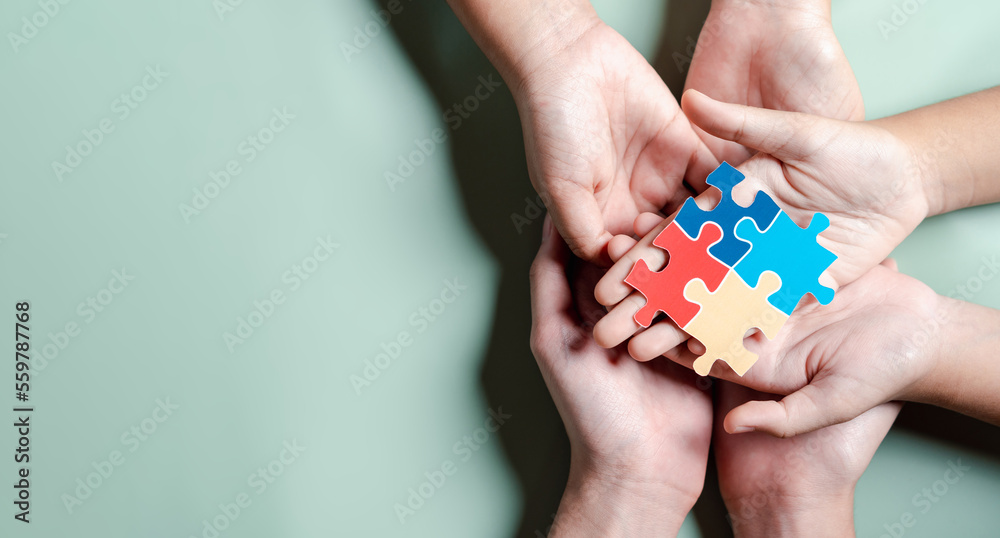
x=323 y=176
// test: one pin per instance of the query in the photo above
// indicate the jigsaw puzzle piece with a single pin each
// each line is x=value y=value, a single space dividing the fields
x=727 y=314
x=727 y=214
x=689 y=259
x=792 y=253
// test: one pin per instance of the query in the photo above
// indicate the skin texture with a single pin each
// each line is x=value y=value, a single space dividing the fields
x=867 y=347
x=803 y=486
x=609 y=151
x=639 y=432
x=779 y=55
x=884 y=337
x=875 y=180
x=855 y=173
x=605 y=139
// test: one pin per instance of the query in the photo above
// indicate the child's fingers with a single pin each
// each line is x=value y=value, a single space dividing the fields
x=780 y=134
x=645 y=223
x=619 y=323
x=619 y=246
x=658 y=339
x=612 y=289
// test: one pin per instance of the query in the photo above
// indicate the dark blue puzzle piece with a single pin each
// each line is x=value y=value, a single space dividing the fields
x=726 y=214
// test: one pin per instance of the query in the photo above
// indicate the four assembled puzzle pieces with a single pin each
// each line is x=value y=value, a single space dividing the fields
x=732 y=269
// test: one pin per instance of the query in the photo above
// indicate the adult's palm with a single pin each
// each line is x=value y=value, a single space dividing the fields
x=605 y=140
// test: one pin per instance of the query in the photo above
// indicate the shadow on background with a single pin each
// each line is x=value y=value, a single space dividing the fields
x=488 y=157
x=487 y=152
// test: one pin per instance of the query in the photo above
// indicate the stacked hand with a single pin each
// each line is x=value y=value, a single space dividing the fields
x=605 y=139
x=639 y=431
x=613 y=155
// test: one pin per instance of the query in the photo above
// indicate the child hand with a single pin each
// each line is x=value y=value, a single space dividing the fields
x=859 y=175
x=878 y=341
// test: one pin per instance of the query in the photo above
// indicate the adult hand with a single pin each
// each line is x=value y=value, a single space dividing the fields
x=776 y=54
x=639 y=432
x=799 y=486
x=605 y=139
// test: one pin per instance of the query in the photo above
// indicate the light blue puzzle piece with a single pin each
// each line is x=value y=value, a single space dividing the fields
x=792 y=253
x=726 y=214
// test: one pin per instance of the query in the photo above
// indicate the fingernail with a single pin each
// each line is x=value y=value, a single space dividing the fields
x=743 y=429
x=546 y=228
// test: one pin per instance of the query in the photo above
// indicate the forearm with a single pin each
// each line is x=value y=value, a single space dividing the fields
x=954 y=149
x=518 y=35
x=596 y=506
x=966 y=375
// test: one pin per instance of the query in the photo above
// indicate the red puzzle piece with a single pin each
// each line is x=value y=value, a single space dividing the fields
x=689 y=259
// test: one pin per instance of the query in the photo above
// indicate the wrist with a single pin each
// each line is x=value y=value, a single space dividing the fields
x=775 y=514
x=519 y=38
x=963 y=369
x=935 y=159
x=546 y=59
x=923 y=170
x=606 y=503
x=780 y=8
x=928 y=348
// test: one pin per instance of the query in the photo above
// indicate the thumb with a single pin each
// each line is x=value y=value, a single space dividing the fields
x=577 y=216
x=781 y=134
x=812 y=407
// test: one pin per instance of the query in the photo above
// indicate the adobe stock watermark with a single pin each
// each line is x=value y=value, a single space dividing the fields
x=534 y=208
x=420 y=320
x=48 y=10
x=926 y=498
x=711 y=31
x=131 y=439
x=259 y=480
x=371 y=29
x=922 y=164
x=925 y=331
x=292 y=280
x=87 y=310
x=247 y=150
x=225 y=7
x=465 y=448
x=122 y=108
x=795 y=462
x=901 y=14
x=903 y=185
x=977 y=281
x=454 y=117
